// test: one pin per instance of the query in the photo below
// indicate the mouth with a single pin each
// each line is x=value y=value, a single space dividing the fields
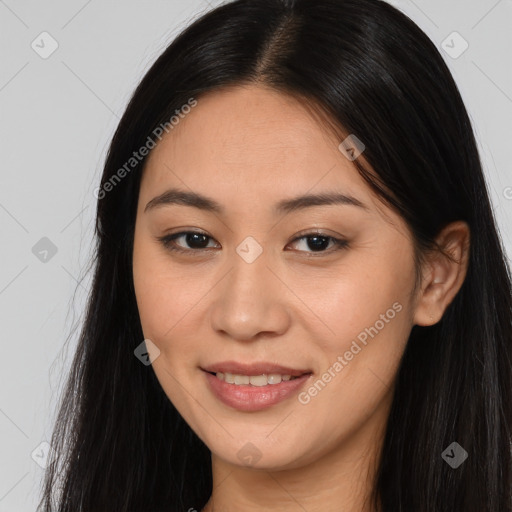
x=237 y=373
x=253 y=391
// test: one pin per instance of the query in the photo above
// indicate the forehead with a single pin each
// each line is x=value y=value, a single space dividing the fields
x=254 y=143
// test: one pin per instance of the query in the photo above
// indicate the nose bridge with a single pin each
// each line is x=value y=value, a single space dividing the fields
x=248 y=301
x=249 y=270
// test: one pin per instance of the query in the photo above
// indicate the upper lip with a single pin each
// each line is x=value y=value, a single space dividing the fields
x=253 y=368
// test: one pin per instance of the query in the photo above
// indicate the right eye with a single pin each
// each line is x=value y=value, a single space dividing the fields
x=195 y=239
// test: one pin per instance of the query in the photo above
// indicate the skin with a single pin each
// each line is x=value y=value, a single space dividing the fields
x=248 y=148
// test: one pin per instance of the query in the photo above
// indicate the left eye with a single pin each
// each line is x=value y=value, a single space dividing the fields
x=318 y=242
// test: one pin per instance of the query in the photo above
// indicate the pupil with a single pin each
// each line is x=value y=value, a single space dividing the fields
x=191 y=241
x=318 y=246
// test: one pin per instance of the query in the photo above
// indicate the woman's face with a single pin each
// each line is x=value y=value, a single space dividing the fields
x=269 y=285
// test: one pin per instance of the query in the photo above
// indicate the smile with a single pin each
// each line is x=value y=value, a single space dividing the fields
x=253 y=392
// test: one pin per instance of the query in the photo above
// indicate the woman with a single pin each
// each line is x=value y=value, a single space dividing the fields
x=300 y=299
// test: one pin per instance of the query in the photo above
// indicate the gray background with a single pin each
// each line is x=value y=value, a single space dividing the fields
x=57 y=117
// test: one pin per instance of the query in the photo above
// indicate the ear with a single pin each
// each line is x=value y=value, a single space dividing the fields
x=442 y=276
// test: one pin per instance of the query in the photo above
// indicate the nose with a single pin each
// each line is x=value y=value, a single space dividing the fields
x=250 y=302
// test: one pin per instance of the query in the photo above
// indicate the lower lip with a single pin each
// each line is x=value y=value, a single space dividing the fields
x=253 y=398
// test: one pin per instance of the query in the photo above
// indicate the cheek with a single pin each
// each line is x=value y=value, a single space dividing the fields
x=351 y=300
x=165 y=300
x=367 y=311
x=154 y=286
x=169 y=302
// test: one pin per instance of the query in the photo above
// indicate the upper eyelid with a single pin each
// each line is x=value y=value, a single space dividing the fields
x=299 y=236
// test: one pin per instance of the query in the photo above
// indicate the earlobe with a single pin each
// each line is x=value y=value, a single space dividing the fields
x=445 y=275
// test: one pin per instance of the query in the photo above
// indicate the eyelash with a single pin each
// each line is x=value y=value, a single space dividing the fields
x=167 y=242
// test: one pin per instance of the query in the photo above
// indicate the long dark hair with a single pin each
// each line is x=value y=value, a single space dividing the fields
x=120 y=445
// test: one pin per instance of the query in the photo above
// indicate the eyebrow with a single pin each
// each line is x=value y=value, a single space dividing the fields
x=196 y=200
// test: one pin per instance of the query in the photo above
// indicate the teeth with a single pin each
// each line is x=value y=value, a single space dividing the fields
x=241 y=379
x=274 y=378
x=254 y=380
